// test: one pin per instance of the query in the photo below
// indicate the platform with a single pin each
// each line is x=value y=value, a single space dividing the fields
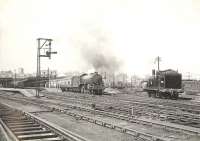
x=25 y=92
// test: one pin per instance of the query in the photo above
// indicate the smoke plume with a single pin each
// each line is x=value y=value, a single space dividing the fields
x=95 y=49
x=101 y=60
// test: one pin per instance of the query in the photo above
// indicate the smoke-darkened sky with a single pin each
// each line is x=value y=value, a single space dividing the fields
x=128 y=34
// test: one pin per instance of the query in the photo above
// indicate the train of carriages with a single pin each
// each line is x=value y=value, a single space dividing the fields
x=30 y=82
x=164 y=84
x=86 y=83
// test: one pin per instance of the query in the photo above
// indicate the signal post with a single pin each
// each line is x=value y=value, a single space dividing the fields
x=43 y=50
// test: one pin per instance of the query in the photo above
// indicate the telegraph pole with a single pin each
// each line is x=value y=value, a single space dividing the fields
x=158 y=59
x=15 y=79
x=113 y=80
x=189 y=76
x=131 y=81
x=48 y=78
x=45 y=45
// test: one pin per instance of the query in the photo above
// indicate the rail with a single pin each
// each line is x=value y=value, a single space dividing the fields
x=21 y=125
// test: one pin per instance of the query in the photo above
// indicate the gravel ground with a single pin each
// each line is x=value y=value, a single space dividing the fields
x=142 y=128
x=24 y=107
x=2 y=136
x=85 y=129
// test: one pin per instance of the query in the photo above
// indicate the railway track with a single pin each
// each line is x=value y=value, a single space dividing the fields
x=140 y=136
x=179 y=113
x=139 y=98
x=188 y=107
x=138 y=108
x=135 y=133
x=23 y=126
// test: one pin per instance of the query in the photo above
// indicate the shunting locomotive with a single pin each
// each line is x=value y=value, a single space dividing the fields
x=164 y=84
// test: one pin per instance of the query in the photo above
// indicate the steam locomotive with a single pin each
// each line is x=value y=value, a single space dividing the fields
x=86 y=83
x=164 y=84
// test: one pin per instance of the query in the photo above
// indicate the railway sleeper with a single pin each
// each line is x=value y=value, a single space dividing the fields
x=7 y=113
x=23 y=126
x=46 y=139
x=19 y=123
x=16 y=121
x=98 y=122
x=19 y=117
x=37 y=136
x=32 y=132
x=26 y=129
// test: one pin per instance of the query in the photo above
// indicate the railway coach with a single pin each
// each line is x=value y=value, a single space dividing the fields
x=164 y=84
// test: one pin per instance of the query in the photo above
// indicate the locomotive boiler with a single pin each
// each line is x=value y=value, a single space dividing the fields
x=86 y=83
x=164 y=84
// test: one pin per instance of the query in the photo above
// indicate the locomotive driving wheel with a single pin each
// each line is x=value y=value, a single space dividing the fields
x=149 y=94
x=174 y=95
x=154 y=94
x=82 y=89
x=157 y=94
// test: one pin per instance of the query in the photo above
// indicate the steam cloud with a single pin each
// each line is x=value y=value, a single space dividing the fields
x=100 y=60
x=96 y=52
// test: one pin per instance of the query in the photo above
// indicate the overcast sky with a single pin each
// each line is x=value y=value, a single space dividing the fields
x=134 y=31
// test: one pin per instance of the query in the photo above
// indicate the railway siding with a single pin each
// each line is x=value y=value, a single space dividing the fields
x=161 y=124
x=140 y=108
x=135 y=133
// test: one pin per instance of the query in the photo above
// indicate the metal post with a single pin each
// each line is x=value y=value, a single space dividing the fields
x=131 y=81
x=15 y=79
x=158 y=59
x=48 y=78
x=113 y=80
x=38 y=68
x=48 y=53
x=158 y=63
x=132 y=111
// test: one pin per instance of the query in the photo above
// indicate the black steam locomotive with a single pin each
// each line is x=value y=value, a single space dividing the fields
x=86 y=83
x=164 y=84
